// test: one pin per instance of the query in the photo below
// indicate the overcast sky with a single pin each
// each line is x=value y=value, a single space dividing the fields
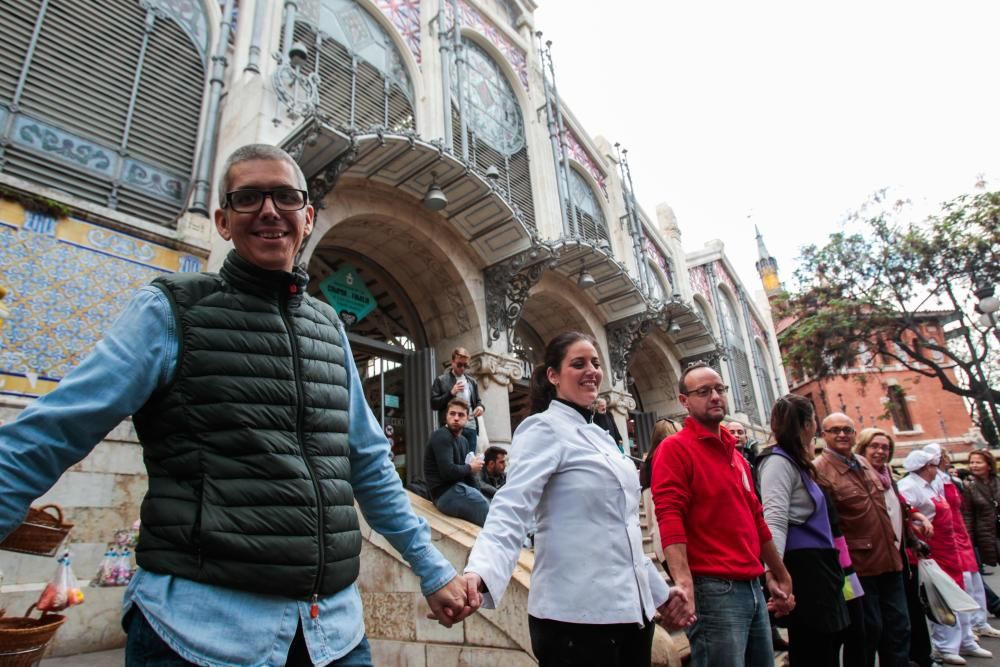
x=791 y=113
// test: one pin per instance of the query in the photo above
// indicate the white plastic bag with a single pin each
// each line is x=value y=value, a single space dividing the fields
x=943 y=597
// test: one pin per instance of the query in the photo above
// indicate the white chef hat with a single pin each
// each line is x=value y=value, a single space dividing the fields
x=917 y=459
x=934 y=449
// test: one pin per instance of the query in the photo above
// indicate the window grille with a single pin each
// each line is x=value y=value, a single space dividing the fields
x=586 y=210
x=742 y=380
x=110 y=104
x=494 y=129
x=363 y=83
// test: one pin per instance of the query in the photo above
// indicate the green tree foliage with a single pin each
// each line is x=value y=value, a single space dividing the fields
x=870 y=291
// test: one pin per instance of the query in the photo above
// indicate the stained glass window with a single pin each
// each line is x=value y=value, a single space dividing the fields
x=493 y=112
x=589 y=217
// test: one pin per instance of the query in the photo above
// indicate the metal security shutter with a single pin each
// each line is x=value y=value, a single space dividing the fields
x=515 y=178
x=83 y=67
x=743 y=383
x=18 y=23
x=70 y=127
x=419 y=369
x=343 y=79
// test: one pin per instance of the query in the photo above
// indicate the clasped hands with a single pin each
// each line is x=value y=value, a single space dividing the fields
x=456 y=601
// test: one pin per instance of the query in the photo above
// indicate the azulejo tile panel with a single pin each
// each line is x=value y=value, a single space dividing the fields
x=66 y=280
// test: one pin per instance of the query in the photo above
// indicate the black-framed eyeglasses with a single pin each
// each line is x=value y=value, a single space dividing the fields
x=837 y=430
x=705 y=392
x=250 y=200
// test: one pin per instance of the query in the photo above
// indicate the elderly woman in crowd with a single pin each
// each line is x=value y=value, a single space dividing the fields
x=924 y=490
x=798 y=514
x=878 y=447
x=593 y=592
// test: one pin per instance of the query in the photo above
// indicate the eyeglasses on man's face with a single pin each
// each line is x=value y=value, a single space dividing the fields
x=838 y=430
x=705 y=392
x=251 y=201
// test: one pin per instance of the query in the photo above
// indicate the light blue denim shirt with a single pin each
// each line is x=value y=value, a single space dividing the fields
x=206 y=625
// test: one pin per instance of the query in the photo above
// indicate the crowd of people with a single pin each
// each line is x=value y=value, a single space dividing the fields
x=258 y=441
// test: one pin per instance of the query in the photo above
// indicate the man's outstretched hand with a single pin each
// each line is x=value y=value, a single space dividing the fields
x=450 y=604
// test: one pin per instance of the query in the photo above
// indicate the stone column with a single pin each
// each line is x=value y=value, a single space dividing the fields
x=495 y=374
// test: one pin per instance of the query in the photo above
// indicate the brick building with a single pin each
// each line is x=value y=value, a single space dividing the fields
x=883 y=393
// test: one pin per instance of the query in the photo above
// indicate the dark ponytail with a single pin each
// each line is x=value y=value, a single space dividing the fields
x=541 y=391
x=789 y=417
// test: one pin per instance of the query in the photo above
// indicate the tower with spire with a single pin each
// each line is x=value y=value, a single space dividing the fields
x=767 y=268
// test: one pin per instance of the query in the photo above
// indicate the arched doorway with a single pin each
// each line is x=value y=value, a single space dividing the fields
x=386 y=338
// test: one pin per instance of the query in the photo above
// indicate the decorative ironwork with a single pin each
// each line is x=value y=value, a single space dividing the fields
x=190 y=16
x=156 y=182
x=495 y=114
x=298 y=91
x=507 y=286
x=624 y=337
x=65 y=146
x=321 y=184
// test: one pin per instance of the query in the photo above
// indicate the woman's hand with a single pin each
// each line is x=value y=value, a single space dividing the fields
x=677 y=612
x=473 y=589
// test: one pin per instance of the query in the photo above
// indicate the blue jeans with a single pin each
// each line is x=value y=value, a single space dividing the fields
x=732 y=629
x=145 y=648
x=465 y=502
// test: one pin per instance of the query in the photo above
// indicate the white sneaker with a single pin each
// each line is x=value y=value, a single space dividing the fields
x=976 y=652
x=948 y=658
x=986 y=631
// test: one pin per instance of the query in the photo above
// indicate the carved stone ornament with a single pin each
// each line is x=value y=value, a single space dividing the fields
x=507 y=285
x=619 y=401
x=489 y=368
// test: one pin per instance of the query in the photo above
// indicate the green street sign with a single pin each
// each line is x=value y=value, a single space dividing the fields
x=347 y=293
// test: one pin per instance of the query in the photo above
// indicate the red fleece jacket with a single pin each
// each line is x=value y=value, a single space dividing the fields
x=703 y=492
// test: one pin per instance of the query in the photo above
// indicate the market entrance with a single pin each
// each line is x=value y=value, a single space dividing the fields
x=389 y=348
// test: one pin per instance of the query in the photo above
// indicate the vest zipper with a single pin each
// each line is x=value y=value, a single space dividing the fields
x=299 y=418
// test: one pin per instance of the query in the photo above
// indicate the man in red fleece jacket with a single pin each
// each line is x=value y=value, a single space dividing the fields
x=713 y=532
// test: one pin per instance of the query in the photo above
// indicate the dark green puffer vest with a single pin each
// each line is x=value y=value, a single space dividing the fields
x=247 y=452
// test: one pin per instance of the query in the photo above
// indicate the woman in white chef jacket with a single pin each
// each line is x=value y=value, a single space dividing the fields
x=593 y=592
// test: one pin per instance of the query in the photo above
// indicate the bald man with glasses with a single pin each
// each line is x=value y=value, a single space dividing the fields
x=880 y=623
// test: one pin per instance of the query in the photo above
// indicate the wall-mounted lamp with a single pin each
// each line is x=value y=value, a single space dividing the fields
x=675 y=327
x=585 y=281
x=492 y=173
x=435 y=199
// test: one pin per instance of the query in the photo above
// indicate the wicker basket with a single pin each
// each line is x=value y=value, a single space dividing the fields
x=40 y=534
x=23 y=640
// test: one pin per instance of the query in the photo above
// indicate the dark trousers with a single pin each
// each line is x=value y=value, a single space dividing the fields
x=880 y=624
x=807 y=648
x=559 y=644
x=920 y=638
x=145 y=648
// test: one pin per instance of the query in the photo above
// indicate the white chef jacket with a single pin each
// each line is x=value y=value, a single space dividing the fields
x=919 y=493
x=584 y=493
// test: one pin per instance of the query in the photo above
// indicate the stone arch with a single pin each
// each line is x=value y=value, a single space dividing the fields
x=654 y=371
x=441 y=276
x=555 y=305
